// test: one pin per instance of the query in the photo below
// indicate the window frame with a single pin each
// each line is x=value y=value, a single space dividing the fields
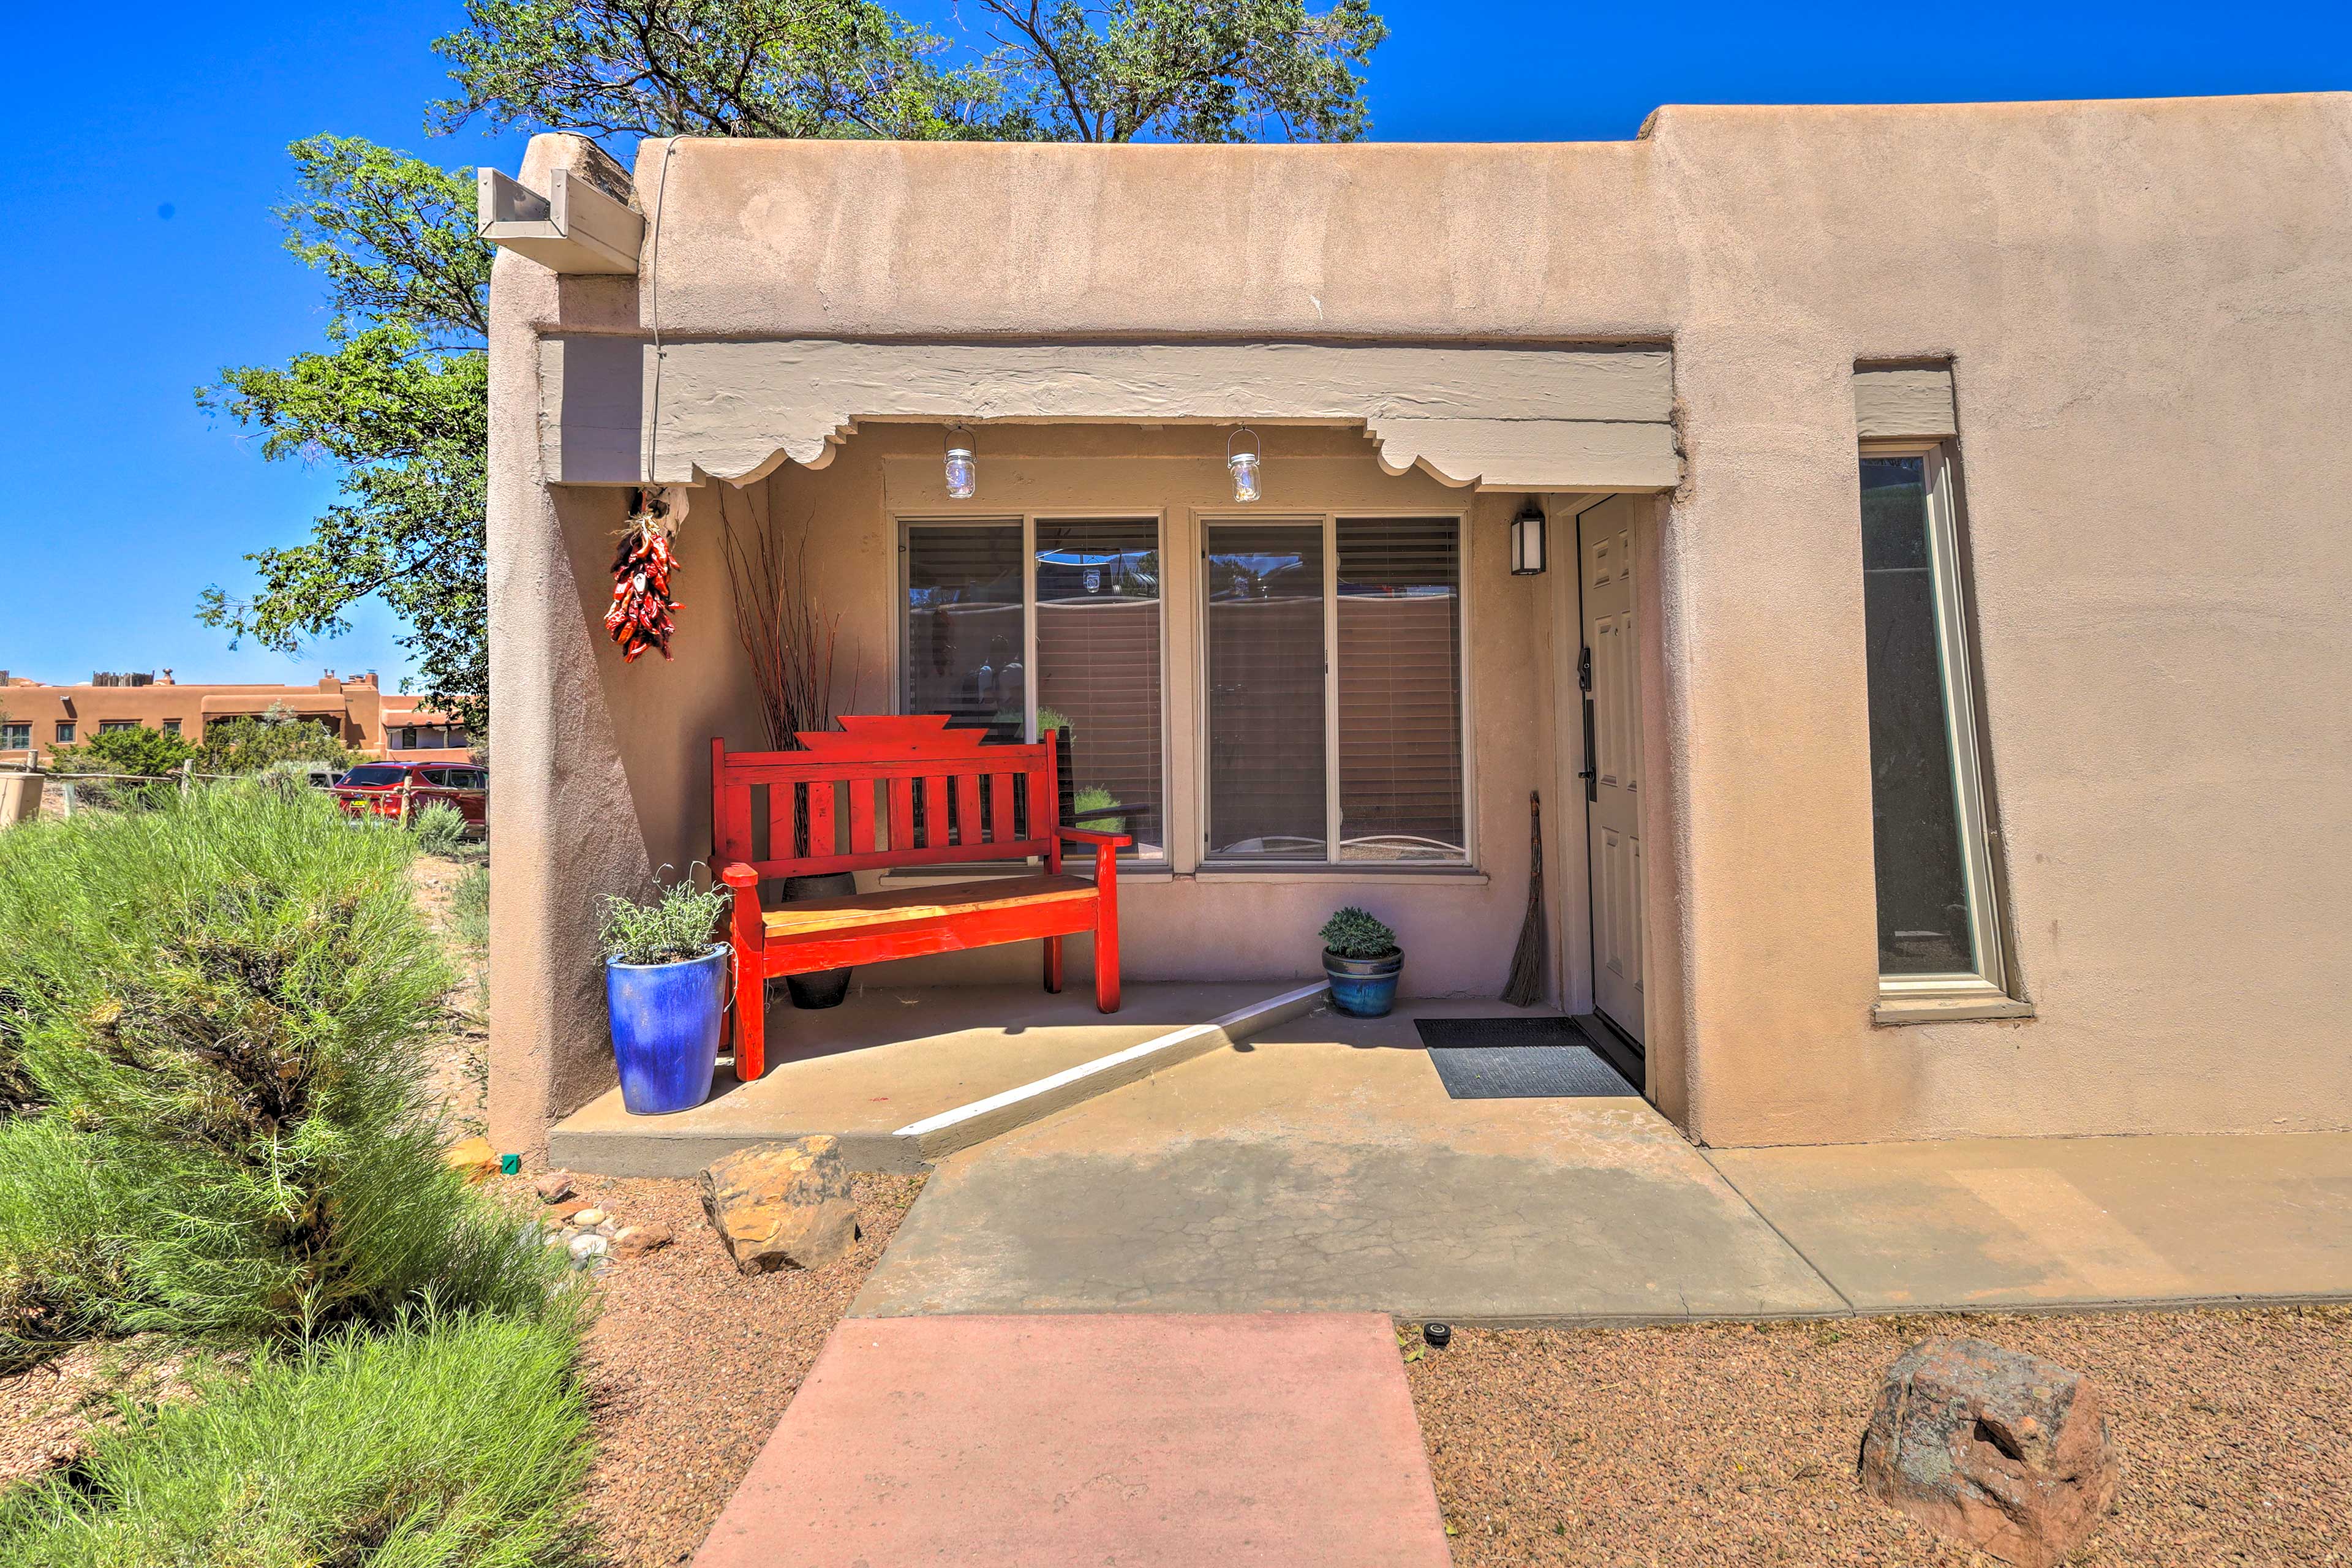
x=902 y=523
x=65 y=731
x=1993 y=980
x=1330 y=864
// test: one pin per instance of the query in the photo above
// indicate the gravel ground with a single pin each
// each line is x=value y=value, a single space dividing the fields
x=690 y=1363
x=47 y=1412
x=1737 y=1444
x=458 y=1064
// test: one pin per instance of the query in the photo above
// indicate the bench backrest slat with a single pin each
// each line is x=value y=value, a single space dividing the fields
x=882 y=791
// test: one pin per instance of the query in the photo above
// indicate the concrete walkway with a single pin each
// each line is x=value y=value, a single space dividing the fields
x=1321 y=1166
x=872 y=1070
x=2063 y=1222
x=1144 y=1441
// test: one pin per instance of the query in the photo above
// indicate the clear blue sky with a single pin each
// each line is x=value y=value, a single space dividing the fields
x=150 y=151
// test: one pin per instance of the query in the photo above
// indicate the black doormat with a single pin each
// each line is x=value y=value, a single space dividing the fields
x=1517 y=1059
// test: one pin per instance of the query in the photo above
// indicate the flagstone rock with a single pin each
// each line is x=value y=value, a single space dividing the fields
x=781 y=1205
x=636 y=1240
x=2006 y=1451
x=472 y=1158
x=554 y=1187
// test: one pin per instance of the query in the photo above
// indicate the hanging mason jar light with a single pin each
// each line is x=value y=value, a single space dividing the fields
x=962 y=473
x=1242 y=464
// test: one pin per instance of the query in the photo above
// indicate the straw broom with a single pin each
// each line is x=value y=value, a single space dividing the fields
x=1526 y=988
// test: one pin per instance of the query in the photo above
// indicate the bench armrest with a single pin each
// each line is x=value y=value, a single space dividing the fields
x=1088 y=836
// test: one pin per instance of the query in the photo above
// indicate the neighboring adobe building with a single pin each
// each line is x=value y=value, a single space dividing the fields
x=36 y=718
x=1936 y=684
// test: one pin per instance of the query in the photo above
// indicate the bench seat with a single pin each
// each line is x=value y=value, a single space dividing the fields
x=870 y=914
x=888 y=792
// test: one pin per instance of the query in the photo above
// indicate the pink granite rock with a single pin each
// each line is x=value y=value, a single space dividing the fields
x=2003 y=1450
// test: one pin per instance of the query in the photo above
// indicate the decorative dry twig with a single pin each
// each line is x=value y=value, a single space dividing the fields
x=791 y=643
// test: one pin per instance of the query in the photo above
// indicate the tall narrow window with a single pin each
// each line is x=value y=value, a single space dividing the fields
x=1938 y=930
x=1266 y=654
x=1335 y=697
x=1061 y=633
x=1098 y=609
x=1400 y=672
x=964 y=629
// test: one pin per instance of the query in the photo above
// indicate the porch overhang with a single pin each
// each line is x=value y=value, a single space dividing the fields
x=617 y=410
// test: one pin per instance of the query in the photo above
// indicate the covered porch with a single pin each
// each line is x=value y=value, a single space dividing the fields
x=1341 y=683
x=1342 y=694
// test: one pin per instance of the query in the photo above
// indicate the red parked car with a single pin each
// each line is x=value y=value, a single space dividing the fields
x=374 y=789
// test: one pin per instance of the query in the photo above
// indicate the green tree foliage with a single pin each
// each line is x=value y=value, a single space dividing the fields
x=711 y=67
x=398 y=400
x=1182 y=69
x=1187 y=70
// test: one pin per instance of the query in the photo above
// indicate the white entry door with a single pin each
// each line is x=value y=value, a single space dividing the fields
x=1612 y=679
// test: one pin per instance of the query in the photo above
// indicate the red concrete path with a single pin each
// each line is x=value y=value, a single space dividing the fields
x=1265 y=1440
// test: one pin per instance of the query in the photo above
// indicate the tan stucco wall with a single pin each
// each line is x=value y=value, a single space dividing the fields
x=2147 y=307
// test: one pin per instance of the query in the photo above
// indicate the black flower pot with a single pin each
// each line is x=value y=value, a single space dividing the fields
x=824 y=987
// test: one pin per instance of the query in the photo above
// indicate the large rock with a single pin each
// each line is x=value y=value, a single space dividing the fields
x=781 y=1205
x=2003 y=1450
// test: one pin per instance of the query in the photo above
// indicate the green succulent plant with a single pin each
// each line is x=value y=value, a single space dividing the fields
x=1358 y=933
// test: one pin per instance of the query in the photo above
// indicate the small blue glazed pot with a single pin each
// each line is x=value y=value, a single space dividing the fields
x=666 y=1019
x=1364 y=987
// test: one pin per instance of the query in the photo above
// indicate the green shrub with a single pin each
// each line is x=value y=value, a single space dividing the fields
x=220 y=1005
x=681 y=922
x=440 y=828
x=1358 y=933
x=454 y=1443
x=149 y=753
x=1095 y=797
x=138 y=751
x=251 y=743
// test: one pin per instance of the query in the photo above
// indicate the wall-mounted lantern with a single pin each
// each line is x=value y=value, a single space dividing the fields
x=1528 y=541
x=1244 y=464
x=962 y=473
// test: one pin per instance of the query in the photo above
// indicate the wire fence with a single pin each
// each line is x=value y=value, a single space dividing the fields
x=186 y=778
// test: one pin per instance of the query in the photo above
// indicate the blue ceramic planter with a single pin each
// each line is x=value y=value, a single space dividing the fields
x=1364 y=987
x=666 y=1019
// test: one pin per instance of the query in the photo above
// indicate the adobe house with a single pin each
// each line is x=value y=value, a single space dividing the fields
x=36 y=718
x=1932 y=672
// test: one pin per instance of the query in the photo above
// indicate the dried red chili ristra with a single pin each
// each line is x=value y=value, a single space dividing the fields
x=640 y=616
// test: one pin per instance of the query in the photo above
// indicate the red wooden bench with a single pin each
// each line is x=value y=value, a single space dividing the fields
x=900 y=791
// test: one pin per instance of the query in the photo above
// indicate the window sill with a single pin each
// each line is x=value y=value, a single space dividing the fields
x=1897 y=1010
x=1460 y=876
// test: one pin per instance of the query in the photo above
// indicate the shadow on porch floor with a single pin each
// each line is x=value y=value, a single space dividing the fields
x=905 y=1076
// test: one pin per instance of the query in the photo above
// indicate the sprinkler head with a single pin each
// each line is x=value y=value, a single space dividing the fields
x=1437 y=1336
